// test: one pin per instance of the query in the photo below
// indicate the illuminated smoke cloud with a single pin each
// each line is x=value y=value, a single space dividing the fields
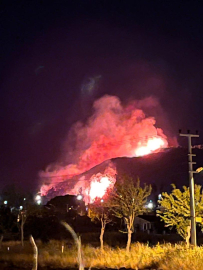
x=113 y=130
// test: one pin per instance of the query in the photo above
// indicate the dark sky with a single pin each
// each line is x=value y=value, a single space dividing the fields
x=50 y=49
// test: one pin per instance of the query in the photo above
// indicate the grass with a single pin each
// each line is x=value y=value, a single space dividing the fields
x=141 y=256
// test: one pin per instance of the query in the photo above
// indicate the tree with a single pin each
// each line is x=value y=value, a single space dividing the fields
x=175 y=209
x=22 y=219
x=15 y=199
x=128 y=200
x=99 y=211
x=30 y=210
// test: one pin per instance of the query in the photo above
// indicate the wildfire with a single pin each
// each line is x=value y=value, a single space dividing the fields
x=100 y=183
x=114 y=130
x=152 y=145
x=98 y=188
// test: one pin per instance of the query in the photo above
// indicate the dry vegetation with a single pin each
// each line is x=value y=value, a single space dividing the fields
x=141 y=256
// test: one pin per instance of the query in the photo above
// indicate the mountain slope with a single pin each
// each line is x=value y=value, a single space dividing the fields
x=158 y=169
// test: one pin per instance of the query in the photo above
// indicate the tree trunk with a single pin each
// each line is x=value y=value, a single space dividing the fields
x=22 y=233
x=101 y=237
x=129 y=240
x=187 y=239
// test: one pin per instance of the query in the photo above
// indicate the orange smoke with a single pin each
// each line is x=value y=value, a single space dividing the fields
x=112 y=131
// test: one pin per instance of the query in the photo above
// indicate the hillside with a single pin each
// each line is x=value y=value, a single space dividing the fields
x=163 y=168
x=158 y=169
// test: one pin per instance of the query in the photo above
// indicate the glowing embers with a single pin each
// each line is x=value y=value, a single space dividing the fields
x=99 y=186
x=152 y=144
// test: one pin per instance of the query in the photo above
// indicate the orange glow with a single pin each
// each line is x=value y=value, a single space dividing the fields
x=152 y=145
x=113 y=130
x=99 y=187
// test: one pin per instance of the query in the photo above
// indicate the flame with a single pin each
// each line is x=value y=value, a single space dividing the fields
x=113 y=130
x=98 y=188
x=100 y=183
x=152 y=145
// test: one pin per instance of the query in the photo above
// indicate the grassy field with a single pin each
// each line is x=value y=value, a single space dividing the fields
x=141 y=256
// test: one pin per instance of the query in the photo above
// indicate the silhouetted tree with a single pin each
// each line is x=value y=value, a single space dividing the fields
x=22 y=216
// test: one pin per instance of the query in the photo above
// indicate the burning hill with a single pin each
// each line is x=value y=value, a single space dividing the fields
x=114 y=130
x=158 y=169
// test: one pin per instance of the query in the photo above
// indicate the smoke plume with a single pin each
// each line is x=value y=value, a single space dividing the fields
x=113 y=130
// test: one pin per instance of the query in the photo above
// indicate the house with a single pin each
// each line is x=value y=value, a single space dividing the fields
x=148 y=223
x=141 y=224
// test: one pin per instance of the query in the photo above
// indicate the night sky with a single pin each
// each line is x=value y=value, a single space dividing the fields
x=52 y=52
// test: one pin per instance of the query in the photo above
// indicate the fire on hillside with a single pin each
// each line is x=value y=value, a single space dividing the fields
x=114 y=130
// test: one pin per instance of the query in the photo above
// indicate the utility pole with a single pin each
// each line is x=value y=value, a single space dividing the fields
x=191 y=185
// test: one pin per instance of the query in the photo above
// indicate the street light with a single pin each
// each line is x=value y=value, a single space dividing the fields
x=79 y=197
x=38 y=199
x=150 y=205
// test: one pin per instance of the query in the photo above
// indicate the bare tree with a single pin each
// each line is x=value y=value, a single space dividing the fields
x=22 y=216
x=31 y=210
